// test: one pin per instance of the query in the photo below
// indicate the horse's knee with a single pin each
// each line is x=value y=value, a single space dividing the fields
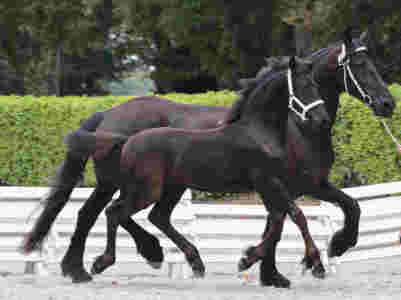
x=116 y=212
x=156 y=218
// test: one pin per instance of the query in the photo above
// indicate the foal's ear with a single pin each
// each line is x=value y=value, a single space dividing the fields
x=277 y=62
x=348 y=37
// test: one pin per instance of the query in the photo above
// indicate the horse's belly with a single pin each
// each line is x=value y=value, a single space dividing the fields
x=215 y=175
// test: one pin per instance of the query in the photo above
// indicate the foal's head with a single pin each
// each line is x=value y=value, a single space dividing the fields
x=304 y=98
x=273 y=94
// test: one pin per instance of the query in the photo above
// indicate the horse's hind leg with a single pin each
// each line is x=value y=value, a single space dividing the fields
x=120 y=212
x=160 y=216
x=312 y=254
x=114 y=214
x=270 y=238
x=72 y=263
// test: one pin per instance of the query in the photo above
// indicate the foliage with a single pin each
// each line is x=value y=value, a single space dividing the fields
x=361 y=145
x=33 y=129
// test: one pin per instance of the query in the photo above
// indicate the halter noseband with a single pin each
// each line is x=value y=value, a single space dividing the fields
x=293 y=98
x=344 y=61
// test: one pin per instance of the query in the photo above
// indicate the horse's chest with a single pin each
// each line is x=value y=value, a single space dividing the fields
x=308 y=162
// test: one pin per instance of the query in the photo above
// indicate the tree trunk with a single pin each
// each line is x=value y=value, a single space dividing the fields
x=59 y=68
x=250 y=23
x=304 y=33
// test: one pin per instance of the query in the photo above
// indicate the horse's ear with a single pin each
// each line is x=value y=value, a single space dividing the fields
x=348 y=37
x=365 y=37
x=292 y=64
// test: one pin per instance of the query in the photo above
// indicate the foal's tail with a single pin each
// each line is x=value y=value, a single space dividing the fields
x=97 y=144
x=80 y=145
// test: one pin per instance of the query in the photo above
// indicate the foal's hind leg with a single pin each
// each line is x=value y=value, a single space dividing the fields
x=133 y=198
x=160 y=216
x=147 y=244
x=270 y=238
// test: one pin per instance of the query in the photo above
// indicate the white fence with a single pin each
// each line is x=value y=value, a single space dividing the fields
x=219 y=231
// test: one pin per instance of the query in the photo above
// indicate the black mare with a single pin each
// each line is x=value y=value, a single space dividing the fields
x=248 y=153
x=133 y=116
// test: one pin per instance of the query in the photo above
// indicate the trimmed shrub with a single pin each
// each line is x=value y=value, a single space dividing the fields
x=33 y=128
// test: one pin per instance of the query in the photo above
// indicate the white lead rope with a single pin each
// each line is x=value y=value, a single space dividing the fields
x=387 y=129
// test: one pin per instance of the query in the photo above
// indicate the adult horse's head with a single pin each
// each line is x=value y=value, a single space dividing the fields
x=360 y=77
x=296 y=86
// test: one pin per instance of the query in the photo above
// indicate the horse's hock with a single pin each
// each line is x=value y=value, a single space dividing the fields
x=220 y=231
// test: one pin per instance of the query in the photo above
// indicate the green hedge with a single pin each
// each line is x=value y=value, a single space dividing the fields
x=32 y=131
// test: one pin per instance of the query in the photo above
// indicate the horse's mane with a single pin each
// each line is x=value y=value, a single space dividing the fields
x=249 y=86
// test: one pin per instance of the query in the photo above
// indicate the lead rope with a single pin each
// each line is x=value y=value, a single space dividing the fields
x=387 y=129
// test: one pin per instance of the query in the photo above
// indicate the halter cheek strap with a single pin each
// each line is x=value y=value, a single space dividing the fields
x=344 y=61
x=293 y=98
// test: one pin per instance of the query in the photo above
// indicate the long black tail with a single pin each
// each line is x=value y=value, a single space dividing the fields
x=68 y=173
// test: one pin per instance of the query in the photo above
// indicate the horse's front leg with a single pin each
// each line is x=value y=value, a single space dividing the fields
x=312 y=254
x=346 y=237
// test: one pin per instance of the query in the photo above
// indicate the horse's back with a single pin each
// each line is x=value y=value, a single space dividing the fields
x=149 y=112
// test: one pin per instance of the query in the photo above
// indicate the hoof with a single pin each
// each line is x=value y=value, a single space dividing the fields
x=276 y=279
x=155 y=264
x=318 y=271
x=77 y=274
x=198 y=268
x=102 y=263
x=338 y=244
x=244 y=264
x=306 y=264
x=248 y=260
x=152 y=252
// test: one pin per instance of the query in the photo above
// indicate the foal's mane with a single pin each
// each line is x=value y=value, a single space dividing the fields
x=250 y=89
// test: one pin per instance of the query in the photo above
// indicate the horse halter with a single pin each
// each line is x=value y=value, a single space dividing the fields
x=293 y=98
x=344 y=61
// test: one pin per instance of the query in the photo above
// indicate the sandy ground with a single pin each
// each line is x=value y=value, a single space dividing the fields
x=369 y=280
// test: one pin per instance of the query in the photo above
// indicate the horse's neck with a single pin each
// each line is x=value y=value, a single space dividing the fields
x=329 y=89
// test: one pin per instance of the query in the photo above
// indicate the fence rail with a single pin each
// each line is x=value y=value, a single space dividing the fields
x=220 y=231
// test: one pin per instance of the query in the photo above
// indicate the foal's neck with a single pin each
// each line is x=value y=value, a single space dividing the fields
x=329 y=89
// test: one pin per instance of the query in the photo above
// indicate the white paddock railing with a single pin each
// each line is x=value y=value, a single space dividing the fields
x=220 y=231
